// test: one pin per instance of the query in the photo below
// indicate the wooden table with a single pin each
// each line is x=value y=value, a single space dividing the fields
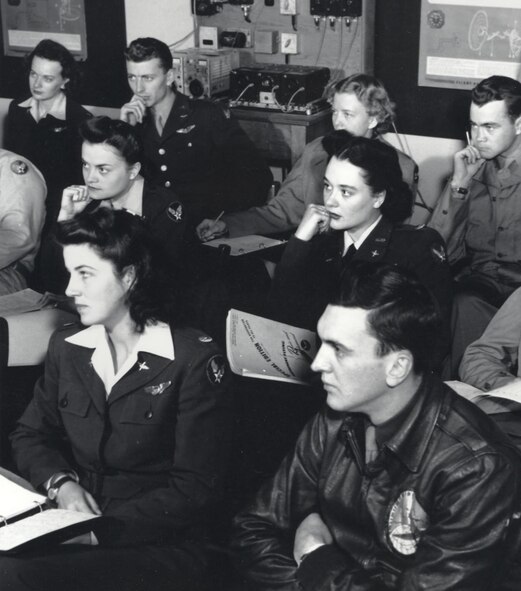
x=281 y=137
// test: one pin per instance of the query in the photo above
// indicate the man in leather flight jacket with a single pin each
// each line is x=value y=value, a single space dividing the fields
x=398 y=483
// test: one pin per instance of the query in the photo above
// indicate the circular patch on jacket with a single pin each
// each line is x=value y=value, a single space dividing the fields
x=215 y=369
x=175 y=211
x=407 y=522
x=19 y=167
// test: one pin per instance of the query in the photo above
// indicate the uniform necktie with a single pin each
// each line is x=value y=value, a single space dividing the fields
x=351 y=251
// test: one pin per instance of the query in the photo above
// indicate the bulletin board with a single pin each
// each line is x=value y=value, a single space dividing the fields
x=464 y=41
x=26 y=22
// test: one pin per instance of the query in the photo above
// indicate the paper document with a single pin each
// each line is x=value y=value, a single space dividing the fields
x=262 y=348
x=245 y=244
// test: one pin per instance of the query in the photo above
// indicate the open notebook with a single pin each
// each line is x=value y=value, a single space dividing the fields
x=26 y=519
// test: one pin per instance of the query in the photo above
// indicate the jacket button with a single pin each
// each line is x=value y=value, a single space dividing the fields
x=168 y=184
x=149 y=414
x=189 y=144
x=164 y=167
x=162 y=151
x=63 y=402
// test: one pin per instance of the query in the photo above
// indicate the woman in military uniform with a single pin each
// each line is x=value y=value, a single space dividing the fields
x=112 y=154
x=365 y=203
x=131 y=421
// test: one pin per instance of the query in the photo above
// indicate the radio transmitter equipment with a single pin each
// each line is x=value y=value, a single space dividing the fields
x=279 y=87
x=204 y=73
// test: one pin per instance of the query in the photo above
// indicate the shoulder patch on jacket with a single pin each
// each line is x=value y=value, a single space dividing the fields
x=19 y=167
x=215 y=369
x=175 y=211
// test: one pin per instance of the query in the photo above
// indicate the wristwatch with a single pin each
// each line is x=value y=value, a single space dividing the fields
x=56 y=482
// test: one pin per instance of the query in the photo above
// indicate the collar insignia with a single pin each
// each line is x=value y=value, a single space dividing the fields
x=439 y=253
x=375 y=253
x=143 y=365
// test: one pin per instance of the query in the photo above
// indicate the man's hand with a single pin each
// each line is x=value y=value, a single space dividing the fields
x=209 y=229
x=310 y=535
x=466 y=163
x=74 y=200
x=133 y=111
x=74 y=497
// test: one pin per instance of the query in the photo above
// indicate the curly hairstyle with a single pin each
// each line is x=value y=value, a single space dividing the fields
x=113 y=132
x=55 y=52
x=147 y=48
x=372 y=94
x=124 y=239
x=499 y=88
x=381 y=171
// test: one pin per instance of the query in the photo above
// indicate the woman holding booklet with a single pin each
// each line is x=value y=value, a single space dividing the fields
x=131 y=420
x=365 y=204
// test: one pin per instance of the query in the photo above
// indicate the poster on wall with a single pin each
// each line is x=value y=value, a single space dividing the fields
x=464 y=41
x=26 y=22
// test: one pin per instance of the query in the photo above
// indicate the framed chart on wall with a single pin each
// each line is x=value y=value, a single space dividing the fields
x=464 y=41
x=26 y=22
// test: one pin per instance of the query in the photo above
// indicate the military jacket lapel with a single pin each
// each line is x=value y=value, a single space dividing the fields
x=95 y=388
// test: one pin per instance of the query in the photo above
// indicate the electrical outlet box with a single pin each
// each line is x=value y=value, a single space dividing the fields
x=247 y=33
x=288 y=43
x=288 y=6
x=265 y=42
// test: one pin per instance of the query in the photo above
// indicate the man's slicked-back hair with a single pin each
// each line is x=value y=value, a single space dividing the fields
x=402 y=312
x=147 y=48
x=372 y=94
x=499 y=88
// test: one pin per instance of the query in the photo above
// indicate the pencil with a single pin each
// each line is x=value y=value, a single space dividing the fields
x=218 y=217
x=469 y=142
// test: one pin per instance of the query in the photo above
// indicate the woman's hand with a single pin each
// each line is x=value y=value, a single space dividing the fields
x=315 y=221
x=209 y=229
x=74 y=199
x=310 y=535
x=74 y=497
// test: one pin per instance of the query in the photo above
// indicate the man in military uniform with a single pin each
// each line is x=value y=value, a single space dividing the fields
x=191 y=146
x=22 y=215
x=398 y=483
x=479 y=212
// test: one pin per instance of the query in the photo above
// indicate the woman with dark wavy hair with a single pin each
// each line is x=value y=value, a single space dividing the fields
x=44 y=126
x=365 y=204
x=131 y=421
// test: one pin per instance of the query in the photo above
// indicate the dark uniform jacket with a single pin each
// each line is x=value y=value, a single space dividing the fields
x=433 y=511
x=205 y=158
x=153 y=453
x=52 y=145
x=303 y=186
x=309 y=273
